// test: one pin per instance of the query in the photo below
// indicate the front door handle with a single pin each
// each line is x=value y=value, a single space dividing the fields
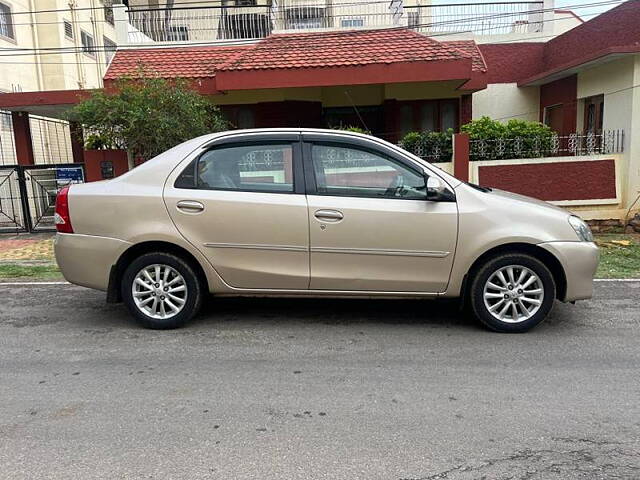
x=190 y=206
x=329 y=215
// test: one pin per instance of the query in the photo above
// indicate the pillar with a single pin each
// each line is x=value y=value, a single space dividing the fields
x=461 y=156
x=22 y=138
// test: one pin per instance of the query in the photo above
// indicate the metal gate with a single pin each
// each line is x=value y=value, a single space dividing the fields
x=28 y=195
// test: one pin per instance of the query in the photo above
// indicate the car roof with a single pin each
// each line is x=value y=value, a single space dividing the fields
x=164 y=163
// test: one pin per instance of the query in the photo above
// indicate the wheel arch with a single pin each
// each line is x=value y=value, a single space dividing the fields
x=117 y=270
x=546 y=257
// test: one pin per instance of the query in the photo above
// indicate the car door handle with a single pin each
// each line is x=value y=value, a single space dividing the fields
x=190 y=206
x=329 y=215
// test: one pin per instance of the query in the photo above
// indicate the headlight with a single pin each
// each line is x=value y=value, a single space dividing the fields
x=582 y=229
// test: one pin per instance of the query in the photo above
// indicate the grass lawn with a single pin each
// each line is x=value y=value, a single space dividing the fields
x=619 y=258
x=17 y=272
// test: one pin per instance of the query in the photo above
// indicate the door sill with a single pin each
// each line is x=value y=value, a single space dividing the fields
x=235 y=292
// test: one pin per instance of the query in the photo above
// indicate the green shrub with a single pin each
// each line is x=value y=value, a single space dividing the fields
x=493 y=140
x=432 y=146
x=351 y=128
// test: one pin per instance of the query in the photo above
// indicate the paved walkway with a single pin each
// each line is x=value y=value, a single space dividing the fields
x=26 y=247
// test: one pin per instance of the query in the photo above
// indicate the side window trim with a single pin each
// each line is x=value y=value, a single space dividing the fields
x=310 y=175
x=296 y=151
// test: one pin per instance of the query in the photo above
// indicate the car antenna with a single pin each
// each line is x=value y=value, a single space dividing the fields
x=353 y=104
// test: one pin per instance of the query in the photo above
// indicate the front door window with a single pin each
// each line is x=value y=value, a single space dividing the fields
x=360 y=173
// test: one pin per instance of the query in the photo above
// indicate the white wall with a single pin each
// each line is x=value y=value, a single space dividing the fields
x=612 y=79
x=563 y=21
x=506 y=101
x=617 y=80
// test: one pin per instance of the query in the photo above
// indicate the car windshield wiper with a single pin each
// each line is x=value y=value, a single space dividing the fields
x=479 y=188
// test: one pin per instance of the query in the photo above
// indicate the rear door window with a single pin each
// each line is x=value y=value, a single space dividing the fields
x=250 y=168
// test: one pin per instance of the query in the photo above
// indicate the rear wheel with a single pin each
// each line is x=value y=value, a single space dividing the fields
x=161 y=290
x=512 y=293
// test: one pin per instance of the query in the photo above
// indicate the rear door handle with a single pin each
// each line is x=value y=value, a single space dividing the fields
x=329 y=215
x=190 y=206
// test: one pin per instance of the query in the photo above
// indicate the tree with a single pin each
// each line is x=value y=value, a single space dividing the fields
x=146 y=115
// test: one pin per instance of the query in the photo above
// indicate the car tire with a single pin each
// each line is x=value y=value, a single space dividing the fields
x=517 y=304
x=167 y=296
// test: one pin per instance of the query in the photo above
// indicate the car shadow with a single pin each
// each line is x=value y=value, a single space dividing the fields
x=333 y=311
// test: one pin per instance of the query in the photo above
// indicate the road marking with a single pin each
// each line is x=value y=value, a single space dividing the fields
x=617 y=280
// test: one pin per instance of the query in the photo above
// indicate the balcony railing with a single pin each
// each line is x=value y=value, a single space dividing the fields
x=199 y=24
x=238 y=21
x=295 y=15
x=575 y=144
x=479 y=18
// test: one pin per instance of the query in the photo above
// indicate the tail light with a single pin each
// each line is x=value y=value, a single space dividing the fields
x=62 y=217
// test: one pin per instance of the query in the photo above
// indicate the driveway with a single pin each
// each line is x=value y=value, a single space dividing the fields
x=309 y=389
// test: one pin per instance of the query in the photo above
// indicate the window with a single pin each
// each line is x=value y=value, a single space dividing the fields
x=88 y=44
x=427 y=115
x=352 y=22
x=305 y=17
x=554 y=117
x=68 y=30
x=594 y=114
x=360 y=173
x=413 y=19
x=178 y=34
x=109 y=49
x=251 y=168
x=448 y=116
x=108 y=11
x=6 y=22
x=246 y=118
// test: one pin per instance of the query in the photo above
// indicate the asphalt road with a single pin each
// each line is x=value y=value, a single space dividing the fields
x=315 y=389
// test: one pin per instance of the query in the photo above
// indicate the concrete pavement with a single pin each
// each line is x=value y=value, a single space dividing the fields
x=316 y=389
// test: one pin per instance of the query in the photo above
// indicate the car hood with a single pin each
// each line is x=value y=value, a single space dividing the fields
x=528 y=200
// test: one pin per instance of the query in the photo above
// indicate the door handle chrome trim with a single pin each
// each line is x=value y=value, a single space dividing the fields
x=292 y=248
x=328 y=215
x=378 y=251
x=190 y=206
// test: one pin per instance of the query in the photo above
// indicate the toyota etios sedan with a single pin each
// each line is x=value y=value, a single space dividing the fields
x=316 y=213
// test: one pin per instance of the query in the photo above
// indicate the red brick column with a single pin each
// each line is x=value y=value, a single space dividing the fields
x=461 y=156
x=22 y=138
x=466 y=112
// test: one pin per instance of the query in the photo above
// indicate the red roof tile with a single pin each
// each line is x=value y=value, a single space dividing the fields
x=334 y=49
x=183 y=62
x=470 y=48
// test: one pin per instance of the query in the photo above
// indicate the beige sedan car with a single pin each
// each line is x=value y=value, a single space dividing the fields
x=301 y=212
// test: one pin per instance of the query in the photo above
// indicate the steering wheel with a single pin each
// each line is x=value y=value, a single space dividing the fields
x=395 y=187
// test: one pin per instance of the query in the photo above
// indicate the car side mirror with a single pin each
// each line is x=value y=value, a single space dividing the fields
x=437 y=190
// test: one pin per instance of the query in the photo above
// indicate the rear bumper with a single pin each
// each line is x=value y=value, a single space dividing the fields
x=86 y=260
x=579 y=261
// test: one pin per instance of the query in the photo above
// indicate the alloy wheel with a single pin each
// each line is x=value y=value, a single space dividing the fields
x=513 y=294
x=159 y=291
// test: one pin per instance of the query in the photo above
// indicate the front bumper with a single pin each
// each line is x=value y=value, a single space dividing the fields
x=86 y=260
x=579 y=261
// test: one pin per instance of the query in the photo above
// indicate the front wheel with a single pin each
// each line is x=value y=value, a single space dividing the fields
x=161 y=290
x=512 y=293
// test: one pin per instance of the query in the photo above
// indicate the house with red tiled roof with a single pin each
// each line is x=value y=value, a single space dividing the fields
x=387 y=81
x=584 y=84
